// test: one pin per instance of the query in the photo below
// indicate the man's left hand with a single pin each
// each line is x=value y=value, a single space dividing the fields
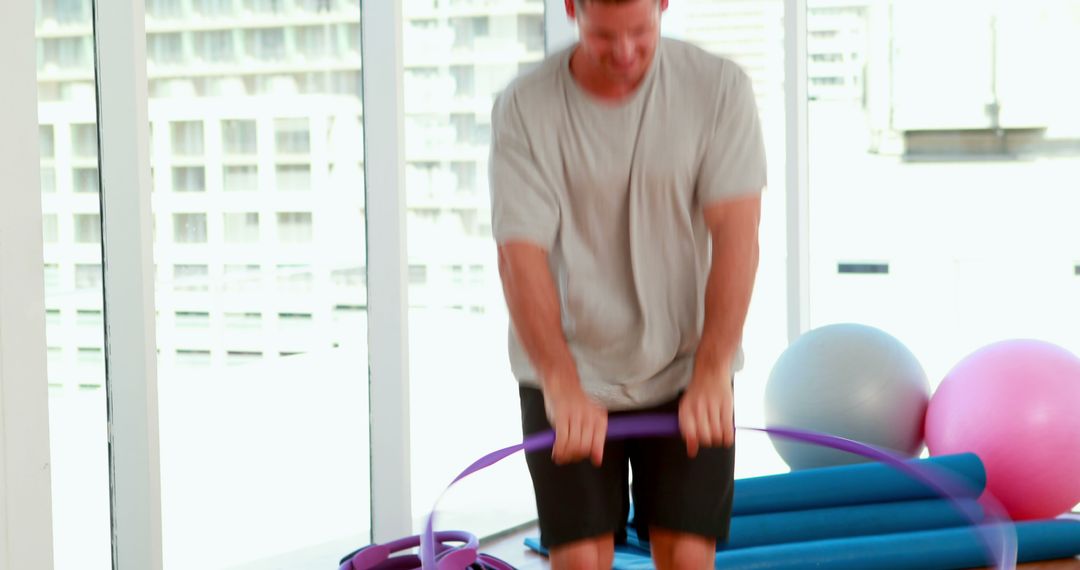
x=706 y=412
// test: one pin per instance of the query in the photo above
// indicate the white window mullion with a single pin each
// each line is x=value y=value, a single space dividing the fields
x=797 y=176
x=130 y=341
x=25 y=483
x=387 y=261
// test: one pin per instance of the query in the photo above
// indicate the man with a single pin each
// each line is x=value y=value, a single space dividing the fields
x=626 y=175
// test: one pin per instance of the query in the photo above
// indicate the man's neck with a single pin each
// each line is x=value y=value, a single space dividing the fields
x=596 y=83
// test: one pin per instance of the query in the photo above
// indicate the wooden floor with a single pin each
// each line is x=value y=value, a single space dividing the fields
x=511 y=548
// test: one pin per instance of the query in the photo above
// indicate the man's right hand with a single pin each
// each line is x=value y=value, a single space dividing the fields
x=580 y=424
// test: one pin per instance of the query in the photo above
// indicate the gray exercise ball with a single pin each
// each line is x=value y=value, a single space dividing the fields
x=849 y=380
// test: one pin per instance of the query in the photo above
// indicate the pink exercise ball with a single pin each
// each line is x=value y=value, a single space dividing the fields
x=1015 y=404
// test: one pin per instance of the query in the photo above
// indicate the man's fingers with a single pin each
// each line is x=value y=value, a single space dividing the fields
x=687 y=424
x=717 y=425
x=562 y=435
x=700 y=421
x=574 y=442
x=599 y=436
x=585 y=439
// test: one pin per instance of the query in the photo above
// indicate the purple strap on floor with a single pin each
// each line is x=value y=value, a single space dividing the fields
x=996 y=530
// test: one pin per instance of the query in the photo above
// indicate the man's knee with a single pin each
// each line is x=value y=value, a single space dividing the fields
x=681 y=551
x=692 y=555
x=588 y=554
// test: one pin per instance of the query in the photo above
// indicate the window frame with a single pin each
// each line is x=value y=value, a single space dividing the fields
x=26 y=497
x=120 y=43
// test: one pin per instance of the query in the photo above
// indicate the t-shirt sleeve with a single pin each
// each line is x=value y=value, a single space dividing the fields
x=734 y=161
x=524 y=206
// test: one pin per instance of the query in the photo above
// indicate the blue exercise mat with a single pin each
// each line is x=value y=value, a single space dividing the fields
x=943 y=549
x=849 y=485
x=843 y=522
x=838 y=522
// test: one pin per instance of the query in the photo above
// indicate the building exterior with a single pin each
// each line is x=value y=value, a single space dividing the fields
x=257 y=166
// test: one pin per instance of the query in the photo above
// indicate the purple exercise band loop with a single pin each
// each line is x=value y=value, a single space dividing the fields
x=997 y=531
x=378 y=556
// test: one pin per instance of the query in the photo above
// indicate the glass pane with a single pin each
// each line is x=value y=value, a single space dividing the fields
x=187 y=138
x=752 y=35
x=84 y=180
x=241 y=227
x=293 y=177
x=70 y=202
x=259 y=204
x=449 y=237
x=48 y=180
x=240 y=178
x=294 y=227
x=87 y=228
x=84 y=141
x=943 y=173
x=292 y=136
x=921 y=113
x=238 y=137
x=189 y=228
x=189 y=179
x=461 y=383
x=50 y=228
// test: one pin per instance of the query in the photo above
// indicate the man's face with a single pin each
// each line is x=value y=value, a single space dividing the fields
x=620 y=38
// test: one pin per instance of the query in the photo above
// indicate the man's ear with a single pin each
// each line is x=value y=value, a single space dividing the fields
x=663 y=5
x=571 y=9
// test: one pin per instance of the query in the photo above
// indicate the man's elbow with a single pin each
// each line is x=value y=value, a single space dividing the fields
x=518 y=257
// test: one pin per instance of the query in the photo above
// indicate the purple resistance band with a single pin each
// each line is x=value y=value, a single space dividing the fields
x=996 y=531
x=379 y=556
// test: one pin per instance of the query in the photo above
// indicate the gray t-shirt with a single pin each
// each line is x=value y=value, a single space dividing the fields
x=614 y=193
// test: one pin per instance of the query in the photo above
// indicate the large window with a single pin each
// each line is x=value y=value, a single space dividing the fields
x=461 y=385
x=73 y=285
x=944 y=155
x=944 y=162
x=944 y=150
x=259 y=203
x=463 y=390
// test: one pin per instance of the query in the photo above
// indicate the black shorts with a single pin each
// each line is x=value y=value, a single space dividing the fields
x=669 y=489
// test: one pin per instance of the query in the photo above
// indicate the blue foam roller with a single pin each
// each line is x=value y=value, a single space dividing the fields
x=843 y=522
x=840 y=522
x=850 y=521
x=850 y=485
x=944 y=549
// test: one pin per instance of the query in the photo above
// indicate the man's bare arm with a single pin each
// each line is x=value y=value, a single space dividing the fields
x=580 y=423
x=735 y=253
x=706 y=415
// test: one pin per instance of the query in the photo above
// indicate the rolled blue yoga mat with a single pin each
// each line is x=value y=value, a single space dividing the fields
x=943 y=549
x=849 y=485
x=838 y=522
x=841 y=522
x=849 y=521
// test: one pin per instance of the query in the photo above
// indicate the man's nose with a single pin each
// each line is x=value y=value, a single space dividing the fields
x=624 y=50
